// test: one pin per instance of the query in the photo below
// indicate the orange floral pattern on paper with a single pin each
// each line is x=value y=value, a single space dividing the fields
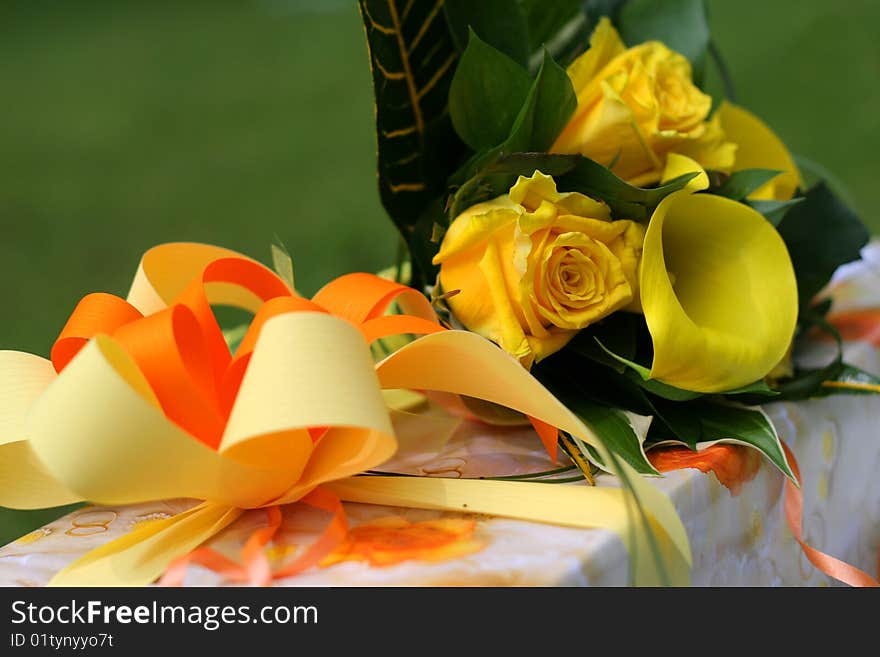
x=389 y=541
x=733 y=465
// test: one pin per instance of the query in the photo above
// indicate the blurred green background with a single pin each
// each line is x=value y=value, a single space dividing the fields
x=128 y=124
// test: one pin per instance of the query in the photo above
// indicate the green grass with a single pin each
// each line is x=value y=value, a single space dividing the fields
x=127 y=124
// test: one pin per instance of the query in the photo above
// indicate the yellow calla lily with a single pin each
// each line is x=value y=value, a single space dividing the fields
x=758 y=147
x=718 y=293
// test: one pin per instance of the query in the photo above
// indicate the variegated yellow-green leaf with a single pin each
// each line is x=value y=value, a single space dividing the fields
x=413 y=59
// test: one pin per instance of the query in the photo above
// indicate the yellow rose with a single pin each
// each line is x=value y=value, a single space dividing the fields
x=637 y=105
x=535 y=266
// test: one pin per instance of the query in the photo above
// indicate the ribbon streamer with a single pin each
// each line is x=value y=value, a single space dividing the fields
x=831 y=566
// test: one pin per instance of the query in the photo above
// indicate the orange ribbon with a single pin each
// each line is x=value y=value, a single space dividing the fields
x=831 y=566
x=857 y=325
x=732 y=465
x=255 y=568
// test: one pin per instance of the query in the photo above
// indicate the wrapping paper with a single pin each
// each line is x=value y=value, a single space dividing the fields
x=736 y=540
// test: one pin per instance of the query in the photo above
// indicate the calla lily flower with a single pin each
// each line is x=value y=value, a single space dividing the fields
x=717 y=289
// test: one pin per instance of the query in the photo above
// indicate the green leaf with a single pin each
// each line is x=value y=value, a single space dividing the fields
x=676 y=422
x=757 y=388
x=642 y=376
x=808 y=383
x=546 y=19
x=597 y=9
x=745 y=426
x=501 y=23
x=626 y=201
x=723 y=73
x=643 y=372
x=548 y=107
x=821 y=234
x=615 y=428
x=486 y=95
x=702 y=423
x=682 y=25
x=233 y=336
x=550 y=103
x=422 y=245
x=742 y=183
x=413 y=59
x=859 y=381
x=593 y=381
x=666 y=391
x=774 y=211
x=282 y=263
x=496 y=176
x=610 y=342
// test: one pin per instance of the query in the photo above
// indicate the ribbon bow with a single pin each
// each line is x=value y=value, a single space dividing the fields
x=143 y=400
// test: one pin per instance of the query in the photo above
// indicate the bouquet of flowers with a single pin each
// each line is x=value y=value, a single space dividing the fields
x=568 y=189
x=591 y=243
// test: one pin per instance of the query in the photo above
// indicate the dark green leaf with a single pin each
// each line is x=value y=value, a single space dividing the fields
x=681 y=24
x=742 y=183
x=500 y=23
x=642 y=376
x=820 y=309
x=486 y=95
x=808 y=383
x=757 y=388
x=626 y=202
x=597 y=9
x=546 y=19
x=550 y=102
x=592 y=381
x=723 y=73
x=616 y=333
x=422 y=246
x=612 y=426
x=412 y=58
x=821 y=234
x=774 y=211
x=749 y=426
x=549 y=106
x=675 y=421
x=666 y=391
